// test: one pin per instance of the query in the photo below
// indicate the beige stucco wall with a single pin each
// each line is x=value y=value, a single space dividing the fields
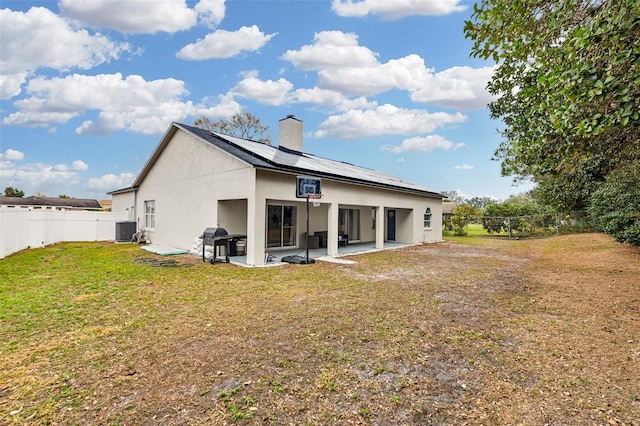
x=125 y=202
x=186 y=182
x=232 y=216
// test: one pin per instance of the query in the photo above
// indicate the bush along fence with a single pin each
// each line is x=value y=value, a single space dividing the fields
x=536 y=225
x=22 y=228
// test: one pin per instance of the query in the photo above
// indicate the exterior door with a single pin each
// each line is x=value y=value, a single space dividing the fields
x=281 y=226
x=391 y=225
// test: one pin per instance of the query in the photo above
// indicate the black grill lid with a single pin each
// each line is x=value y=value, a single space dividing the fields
x=215 y=232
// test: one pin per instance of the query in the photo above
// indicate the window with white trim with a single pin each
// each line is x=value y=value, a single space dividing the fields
x=150 y=214
x=427 y=218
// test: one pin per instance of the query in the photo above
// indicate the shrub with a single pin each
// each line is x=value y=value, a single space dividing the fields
x=615 y=206
x=462 y=216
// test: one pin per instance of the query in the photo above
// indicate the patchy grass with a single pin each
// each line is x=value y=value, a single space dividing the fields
x=468 y=331
x=474 y=230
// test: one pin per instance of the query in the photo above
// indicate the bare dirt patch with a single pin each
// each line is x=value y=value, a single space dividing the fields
x=489 y=332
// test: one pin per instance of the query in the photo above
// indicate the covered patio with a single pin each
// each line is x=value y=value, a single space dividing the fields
x=320 y=254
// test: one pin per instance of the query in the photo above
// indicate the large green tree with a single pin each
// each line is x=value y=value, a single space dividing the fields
x=567 y=88
x=242 y=125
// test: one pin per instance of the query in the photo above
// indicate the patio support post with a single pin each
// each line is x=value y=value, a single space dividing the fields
x=332 y=229
x=256 y=228
x=380 y=227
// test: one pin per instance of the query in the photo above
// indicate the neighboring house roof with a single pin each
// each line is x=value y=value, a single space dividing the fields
x=76 y=203
x=105 y=204
x=447 y=207
x=264 y=156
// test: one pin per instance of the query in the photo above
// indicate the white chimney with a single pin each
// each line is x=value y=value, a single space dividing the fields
x=290 y=133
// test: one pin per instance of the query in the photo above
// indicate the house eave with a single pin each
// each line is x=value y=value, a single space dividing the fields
x=122 y=190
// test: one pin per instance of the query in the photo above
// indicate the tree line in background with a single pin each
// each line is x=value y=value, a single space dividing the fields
x=567 y=88
x=10 y=191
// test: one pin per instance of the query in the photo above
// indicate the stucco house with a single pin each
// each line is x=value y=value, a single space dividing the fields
x=196 y=179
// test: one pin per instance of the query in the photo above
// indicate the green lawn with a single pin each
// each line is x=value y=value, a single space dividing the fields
x=474 y=230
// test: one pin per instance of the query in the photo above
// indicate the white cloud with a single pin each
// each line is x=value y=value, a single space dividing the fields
x=225 y=44
x=423 y=144
x=141 y=16
x=280 y=92
x=395 y=9
x=357 y=103
x=40 y=39
x=352 y=70
x=111 y=182
x=458 y=87
x=319 y=96
x=268 y=92
x=11 y=155
x=80 y=165
x=384 y=120
x=331 y=98
x=210 y=12
x=123 y=103
x=463 y=167
x=40 y=177
x=332 y=49
x=405 y=73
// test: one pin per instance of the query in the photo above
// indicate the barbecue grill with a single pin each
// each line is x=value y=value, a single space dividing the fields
x=216 y=237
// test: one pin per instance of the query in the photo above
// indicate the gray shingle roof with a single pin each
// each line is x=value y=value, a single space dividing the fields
x=75 y=203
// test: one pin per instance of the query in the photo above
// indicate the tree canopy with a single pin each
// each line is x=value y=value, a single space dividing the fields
x=453 y=196
x=567 y=87
x=480 y=202
x=242 y=125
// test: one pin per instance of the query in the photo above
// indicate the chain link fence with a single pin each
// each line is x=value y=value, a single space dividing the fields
x=537 y=225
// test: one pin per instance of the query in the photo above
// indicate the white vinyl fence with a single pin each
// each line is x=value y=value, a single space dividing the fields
x=22 y=228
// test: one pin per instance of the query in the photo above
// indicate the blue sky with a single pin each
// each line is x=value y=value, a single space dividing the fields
x=89 y=87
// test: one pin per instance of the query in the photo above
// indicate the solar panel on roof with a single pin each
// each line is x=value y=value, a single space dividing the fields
x=311 y=163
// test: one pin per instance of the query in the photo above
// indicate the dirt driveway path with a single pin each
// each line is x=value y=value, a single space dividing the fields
x=551 y=333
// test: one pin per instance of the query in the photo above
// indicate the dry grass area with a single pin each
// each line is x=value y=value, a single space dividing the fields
x=468 y=331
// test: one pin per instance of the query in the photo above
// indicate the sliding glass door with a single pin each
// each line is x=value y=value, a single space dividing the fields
x=281 y=226
x=349 y=223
